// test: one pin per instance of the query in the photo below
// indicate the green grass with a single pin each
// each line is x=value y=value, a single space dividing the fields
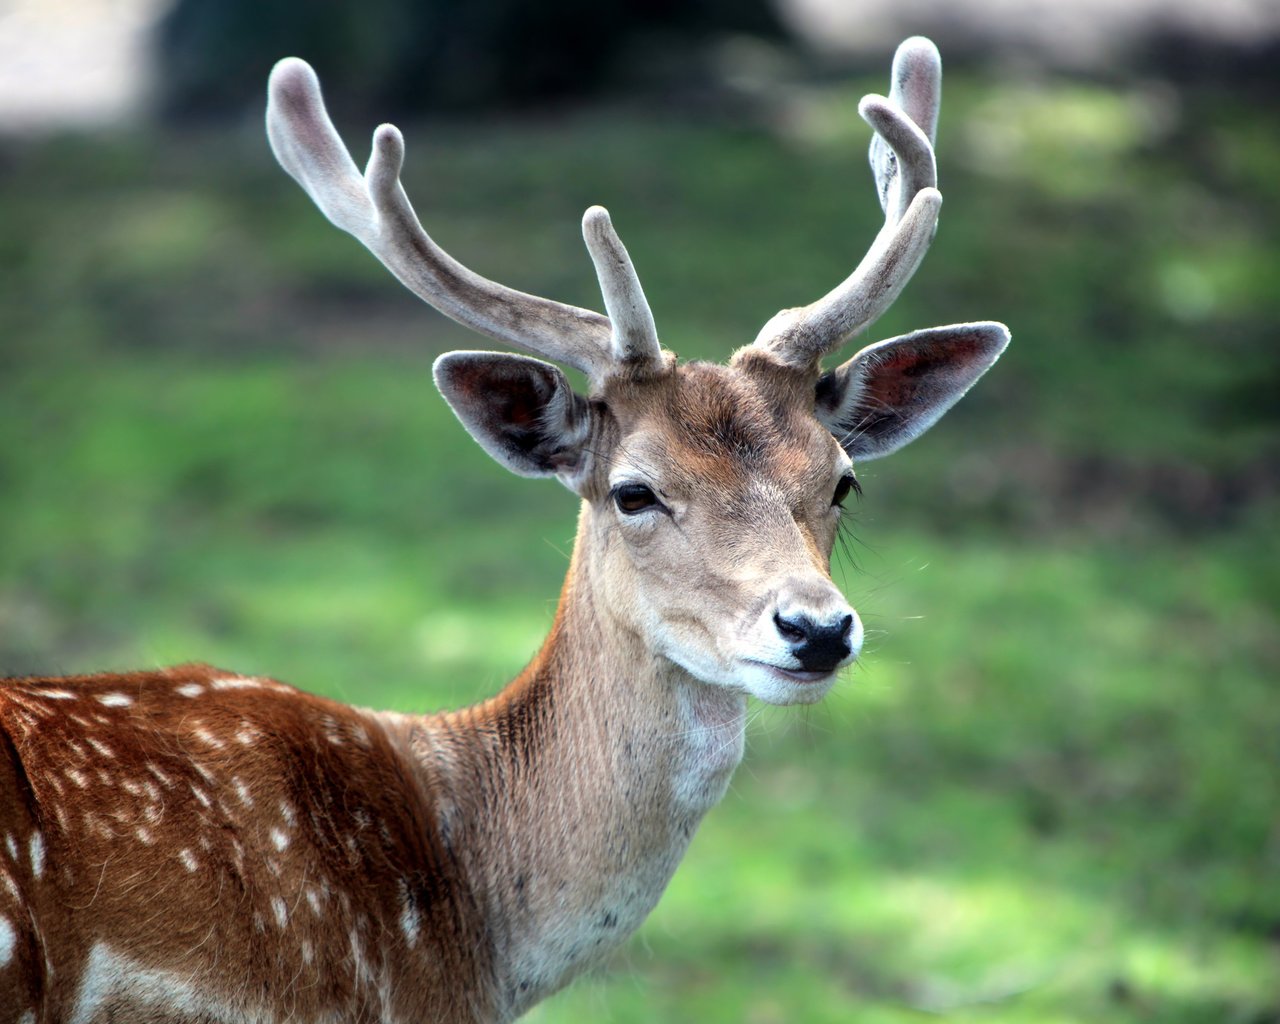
x=1049 y=793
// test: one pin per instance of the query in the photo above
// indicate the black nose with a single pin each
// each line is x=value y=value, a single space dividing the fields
x=818 y=646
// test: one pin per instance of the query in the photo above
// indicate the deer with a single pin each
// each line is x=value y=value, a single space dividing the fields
x=190 y=845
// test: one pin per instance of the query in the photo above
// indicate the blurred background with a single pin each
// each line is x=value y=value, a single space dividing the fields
x=1051 y=790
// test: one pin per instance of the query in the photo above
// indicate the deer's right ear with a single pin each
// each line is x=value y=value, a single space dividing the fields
x=521 y=410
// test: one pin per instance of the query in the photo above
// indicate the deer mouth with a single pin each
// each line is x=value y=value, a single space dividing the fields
x=795 y=675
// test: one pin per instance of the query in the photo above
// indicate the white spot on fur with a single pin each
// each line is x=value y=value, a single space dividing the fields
x=28 y=1017
x=37 y=854
x=280 y=839
x=101 y=748
x=410 y=924
x=242 y=791
x=78 y=777
x=208 y=738
x=201 y=795
x=308 y=953
x=99 y=825
x=160 y=776
x=313 y=898
x=188 y=860
x=144 y=835
x=247 y=735
x=332 y=731
x=189 y=689
x=280 y=910
x=115 y=700
x=290 y=816
x=12 y=845
x=236 y=684
x=8 y=941
x=131 y=787
x=357 y=953
x=57 y=694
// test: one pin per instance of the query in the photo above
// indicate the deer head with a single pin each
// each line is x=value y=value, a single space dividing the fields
x=711 y=493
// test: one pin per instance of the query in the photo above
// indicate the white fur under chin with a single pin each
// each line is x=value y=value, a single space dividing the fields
x=772 y=687
x=715 y=721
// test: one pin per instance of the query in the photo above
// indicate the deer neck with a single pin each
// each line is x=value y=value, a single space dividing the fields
x=570 y=798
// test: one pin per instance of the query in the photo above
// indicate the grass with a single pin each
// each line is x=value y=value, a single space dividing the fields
x=1050 y=792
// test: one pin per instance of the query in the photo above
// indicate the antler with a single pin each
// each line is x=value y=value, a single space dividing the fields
x=906 y=176
x=374 y=208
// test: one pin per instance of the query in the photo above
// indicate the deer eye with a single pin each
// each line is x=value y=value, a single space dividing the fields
x=847 y=483
x=634 y=498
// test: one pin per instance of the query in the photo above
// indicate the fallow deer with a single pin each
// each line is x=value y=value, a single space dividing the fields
x=191 y=845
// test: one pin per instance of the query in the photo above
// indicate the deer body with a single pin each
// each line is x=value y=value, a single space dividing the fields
x=192 y=845
x=189 y=846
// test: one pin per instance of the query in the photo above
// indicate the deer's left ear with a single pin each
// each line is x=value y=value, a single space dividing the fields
x=521 y=410
x=893 y=391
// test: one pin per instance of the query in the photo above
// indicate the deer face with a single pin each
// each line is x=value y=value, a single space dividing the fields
x=712 y=516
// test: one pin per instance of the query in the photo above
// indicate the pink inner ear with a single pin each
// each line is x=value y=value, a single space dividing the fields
x=928 y=359
x=467 y=379
x=520 y=414
x=905 y=375
x=896 y=389
x=899 y=379
x=511 y=395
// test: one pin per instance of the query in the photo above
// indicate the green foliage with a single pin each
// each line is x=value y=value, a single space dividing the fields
x=1049 y=793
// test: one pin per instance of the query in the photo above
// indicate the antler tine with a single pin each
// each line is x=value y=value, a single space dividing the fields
x=375 y=209
x=916 y=89
x=902 y=159
x=635 y=338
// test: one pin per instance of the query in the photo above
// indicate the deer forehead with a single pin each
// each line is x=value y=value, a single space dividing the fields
x=704 y=428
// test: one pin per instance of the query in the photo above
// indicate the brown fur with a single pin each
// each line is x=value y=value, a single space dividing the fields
x=219 y=835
